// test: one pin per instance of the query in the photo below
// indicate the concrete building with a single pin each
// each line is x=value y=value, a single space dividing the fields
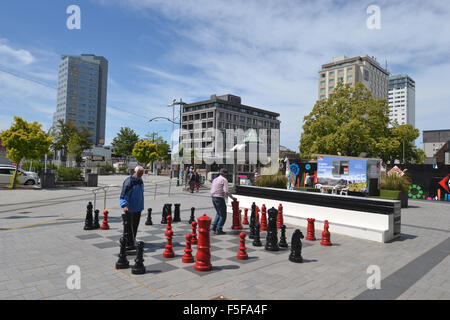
x=402 y=99
x=435 y=143
x=82 y=90
x=362 y=69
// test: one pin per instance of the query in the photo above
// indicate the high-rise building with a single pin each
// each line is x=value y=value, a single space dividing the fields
x=402 y=99
x=362 y=69
x=82 y=88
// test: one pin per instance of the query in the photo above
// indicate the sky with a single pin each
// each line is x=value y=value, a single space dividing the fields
x=267 y=52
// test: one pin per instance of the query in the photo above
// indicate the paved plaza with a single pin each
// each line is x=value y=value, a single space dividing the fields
x=41 y=235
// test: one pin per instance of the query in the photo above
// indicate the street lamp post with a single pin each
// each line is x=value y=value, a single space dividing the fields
x=181 y=104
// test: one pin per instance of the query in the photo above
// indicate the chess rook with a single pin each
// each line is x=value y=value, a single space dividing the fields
x=272 y=236
x=139 y=267
x=192 y=217
x=310 y=232
x=188 y=258
x=105 y=225
x=149 y=221
x=325 y=235
x=242 y=254
x=176 y=213
x=122 y=263
x=283 y=242
x=263 y=218
x=168 y=252
x=203 y=257
x=296 y=247
x=88 y=221
x=194 y=233
x=236 y=221
x=257 y=241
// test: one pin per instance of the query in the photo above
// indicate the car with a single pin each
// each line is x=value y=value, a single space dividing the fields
x=27 y=178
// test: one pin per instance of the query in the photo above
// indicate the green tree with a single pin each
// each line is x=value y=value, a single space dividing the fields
x=162 y=147
x=124 y=142
x=144 y=151
x=66 y=134
x=25 y=140
x=401 y=144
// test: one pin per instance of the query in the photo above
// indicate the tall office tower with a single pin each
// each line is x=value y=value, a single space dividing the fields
x=362 y=69
x=402 y=99
x=82 y=86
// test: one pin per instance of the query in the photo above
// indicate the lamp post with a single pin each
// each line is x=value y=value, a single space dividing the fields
x=181 y=104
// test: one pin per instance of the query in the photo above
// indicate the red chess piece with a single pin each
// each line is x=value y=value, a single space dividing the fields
x=263 y=218
x=194 y=233
x=105 y=225
x=169 y=225
x=242 y=254
x=188 y=258
x=310 y=232
x=245 y=221
x=168 y=253
x=203 y=257
x=325 y=235
x=236 y=221
x=280 y=221
x=257 y=215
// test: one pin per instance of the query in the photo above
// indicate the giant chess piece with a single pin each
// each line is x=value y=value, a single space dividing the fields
x=149 y=221
x=192 y=217
x=252 y=222
x=169 y=225
x=296 y=247
x=272 y=235
x=122 y=263
x=236 y=221
x=169 y=209
x=257 y=241
x=164 y=214
x=203 y=257
x=325 y=235
x=283 y=242
x=127 y=233
x=280 y=221
x=245 y=220
x=242 y=254
x=88 y=222
x=96 y=221
x=188 y=258
x=257 y=214
x=139 y=267
x=168 y=253
x=177 y=217
x=194 y=233
x=263 y=218
x=105 y=225
x=310 y=232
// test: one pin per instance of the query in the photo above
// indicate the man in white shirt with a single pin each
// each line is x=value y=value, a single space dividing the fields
x=219 y=190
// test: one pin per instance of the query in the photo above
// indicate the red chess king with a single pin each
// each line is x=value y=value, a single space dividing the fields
x=203 y=256
x=168 y=253
x=194 y=233
x=242 y=254
x=263 y=218
x=310 y=232
x=236 y=221
x=326 y=235
x=188 y=258
x=245 y=221
x=105 y=225
x=280 y=221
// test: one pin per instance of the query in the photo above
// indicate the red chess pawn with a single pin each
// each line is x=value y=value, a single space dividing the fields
x=203 y=257
x=194 y=233
x=257 y=215
x=325 y=235
x=169 y=225
x=188 y=258
x=242 y=254
x=236 y=220
x=105 y=225
x=280 y=221
x=263 y=218
x=310 y=232
x=168 y=253
x=245 y=221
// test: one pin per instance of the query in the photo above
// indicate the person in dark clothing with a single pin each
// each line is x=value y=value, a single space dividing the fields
x=192 y=178
x=197 y=180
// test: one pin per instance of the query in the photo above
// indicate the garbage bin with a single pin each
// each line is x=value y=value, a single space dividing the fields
x=92 y=180
x=47 y=180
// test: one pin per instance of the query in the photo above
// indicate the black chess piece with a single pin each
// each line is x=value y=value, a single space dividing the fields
x=176 y=213
x=252 y=222
x=192 y=218
x=283 y=242
x=149 y=217
x=96 y=223
x=296 y=247
x=169 y=210
x=127 y=232
x=139 y=267
x=257 y=241
x=122 y=263
x=272 y=235
x=88 y=223
x=164 y=214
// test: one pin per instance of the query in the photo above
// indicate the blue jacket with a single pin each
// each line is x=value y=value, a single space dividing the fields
x=132 y=195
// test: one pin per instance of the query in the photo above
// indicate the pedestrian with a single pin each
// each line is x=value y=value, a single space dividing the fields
x=197 y=180
x=192 y=181
x=132 y=200
x=255 y=175
x=219 y=192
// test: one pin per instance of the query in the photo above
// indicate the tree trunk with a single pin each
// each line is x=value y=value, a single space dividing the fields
x=15 y=176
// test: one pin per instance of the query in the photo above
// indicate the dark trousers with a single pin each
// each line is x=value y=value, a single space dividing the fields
x=133 y=223
x=221 y=209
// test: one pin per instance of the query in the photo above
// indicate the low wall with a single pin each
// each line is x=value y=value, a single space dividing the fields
x=365 y=218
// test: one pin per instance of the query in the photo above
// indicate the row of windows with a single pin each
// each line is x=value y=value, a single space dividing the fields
x=231 y=108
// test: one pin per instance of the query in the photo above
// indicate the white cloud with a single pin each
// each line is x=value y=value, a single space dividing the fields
x=13 y=56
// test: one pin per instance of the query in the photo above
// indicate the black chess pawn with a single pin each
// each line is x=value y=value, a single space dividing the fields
x=192 y=218
x=127 y=232
x=252 y=222
x=164 y=214
x=122 y=263
x=176 y=213
x=149 y=217
x=283 y=242
x=272 y=235
x=88 y=223
x=257 y=241
x=96 y=222
x=296 y=247
x=139 y=267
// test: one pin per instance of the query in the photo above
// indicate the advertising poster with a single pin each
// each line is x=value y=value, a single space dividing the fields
x=345 y=172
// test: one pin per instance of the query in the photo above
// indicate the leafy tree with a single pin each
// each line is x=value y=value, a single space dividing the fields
x=401 y=138
x=25 y=140
x=124 y=142
x=144 y=151
x=162 y=147
x=66 y=134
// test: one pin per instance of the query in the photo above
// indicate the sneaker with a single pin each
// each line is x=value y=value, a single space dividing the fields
x=213 y=228
x=220 y=232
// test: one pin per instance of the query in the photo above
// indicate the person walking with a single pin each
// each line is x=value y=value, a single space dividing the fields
x=219 y=191
x=197 y=180
x=192 y=180
x=132 y=202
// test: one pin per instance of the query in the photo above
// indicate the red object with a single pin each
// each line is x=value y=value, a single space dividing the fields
x=169 y=225
x=257 y=214
x=194 y=233
x=280 y=221
x=445 y=183
x=310 y=232
x=325 y=235
x=245 y=221
x=203 y=257
x=105 y=225
x=168 y=253
x=263 y=218
x=242 y=254
x=188 y=258
x=236 y=221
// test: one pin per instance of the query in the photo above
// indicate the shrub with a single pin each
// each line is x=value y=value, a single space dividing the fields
x=123 y=169
x=394 y=181
x=68 y=174
x=37 y=166
x=272 y=181
x=108 y=168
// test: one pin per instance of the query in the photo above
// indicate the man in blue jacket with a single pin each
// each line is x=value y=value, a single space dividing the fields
x=132 y=202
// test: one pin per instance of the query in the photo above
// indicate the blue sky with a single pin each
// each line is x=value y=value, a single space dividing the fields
x=267 y=52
